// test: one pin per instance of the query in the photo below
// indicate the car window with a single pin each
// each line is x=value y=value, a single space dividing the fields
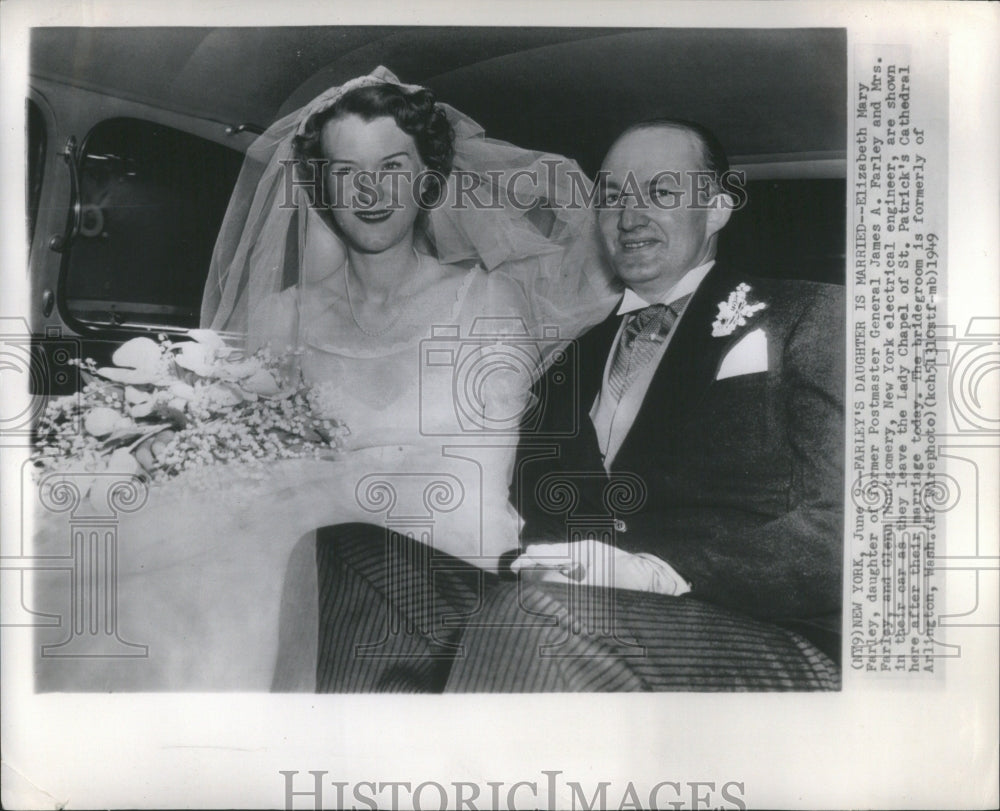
x=152 y=199
x=789 y=228
x=35 y=162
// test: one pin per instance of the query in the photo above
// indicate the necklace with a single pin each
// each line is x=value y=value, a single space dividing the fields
x=354 y=317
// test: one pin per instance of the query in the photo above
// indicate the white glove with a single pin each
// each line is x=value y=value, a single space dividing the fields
x=592 y=563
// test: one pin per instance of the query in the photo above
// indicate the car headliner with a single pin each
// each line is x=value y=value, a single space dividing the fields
x=772 y=95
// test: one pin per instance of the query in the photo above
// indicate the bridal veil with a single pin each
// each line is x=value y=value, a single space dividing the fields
x=523 y=213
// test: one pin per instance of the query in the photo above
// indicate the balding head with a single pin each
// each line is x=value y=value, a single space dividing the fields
x=663 y=203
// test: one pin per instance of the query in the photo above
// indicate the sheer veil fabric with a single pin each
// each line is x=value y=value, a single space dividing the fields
x=513 y=241
x=535 y=228
x=204 y=574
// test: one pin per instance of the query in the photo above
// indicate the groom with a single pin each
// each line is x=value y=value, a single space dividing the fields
x=683 y=511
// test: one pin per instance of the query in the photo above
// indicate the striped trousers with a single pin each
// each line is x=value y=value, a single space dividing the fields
x=548 y=637
x=391 y=610
x=394 y=616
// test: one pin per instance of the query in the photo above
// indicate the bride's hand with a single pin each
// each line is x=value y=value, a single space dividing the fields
x=149 y=450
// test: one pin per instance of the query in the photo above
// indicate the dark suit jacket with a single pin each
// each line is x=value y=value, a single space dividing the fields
x=743 y=477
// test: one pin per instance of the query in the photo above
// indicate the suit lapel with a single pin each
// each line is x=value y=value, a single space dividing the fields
x=592 y=355
x=580 y=449
x=686 y=369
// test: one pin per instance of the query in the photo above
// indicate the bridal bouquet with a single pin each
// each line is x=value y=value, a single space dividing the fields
x=206 y=402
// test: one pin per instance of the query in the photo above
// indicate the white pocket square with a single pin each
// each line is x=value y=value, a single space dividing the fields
x=748 y=356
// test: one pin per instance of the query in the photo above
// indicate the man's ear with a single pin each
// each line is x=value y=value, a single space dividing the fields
x=720 y=210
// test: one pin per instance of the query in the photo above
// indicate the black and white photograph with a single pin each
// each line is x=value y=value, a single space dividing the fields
x=373 y=372
x=395 y=394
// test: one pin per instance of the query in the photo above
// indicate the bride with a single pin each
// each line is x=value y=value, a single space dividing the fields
x=421 y=318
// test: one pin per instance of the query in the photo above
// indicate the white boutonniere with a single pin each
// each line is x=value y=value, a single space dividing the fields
x=734 y=312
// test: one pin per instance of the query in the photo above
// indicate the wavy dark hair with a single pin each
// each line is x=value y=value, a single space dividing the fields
x=415 y=112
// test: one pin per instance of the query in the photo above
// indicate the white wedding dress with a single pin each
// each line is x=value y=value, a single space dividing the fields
x=203 y=569
x=211 y=577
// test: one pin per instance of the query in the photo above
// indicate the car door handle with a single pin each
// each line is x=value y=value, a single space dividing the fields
x=48 y=302
x=71 y=154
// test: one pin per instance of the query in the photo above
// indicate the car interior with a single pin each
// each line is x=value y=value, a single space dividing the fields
x=135 y=138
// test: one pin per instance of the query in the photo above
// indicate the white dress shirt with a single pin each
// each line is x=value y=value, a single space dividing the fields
x=613 y=418
x=640 y=571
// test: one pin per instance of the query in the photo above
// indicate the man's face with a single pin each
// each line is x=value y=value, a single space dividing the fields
x=652 y=227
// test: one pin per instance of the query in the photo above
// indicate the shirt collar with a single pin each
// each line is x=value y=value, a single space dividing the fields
x=688 y=283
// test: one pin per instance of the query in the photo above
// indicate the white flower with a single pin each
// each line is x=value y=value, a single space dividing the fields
x=122 y=461
x=101 y=421
x=137 y=362
x=181 y=390
x=197 y=358
x=261 y=382
x=134 y=395
x=210 y=339
x=136 y=377
x=734 y=312
x=139 y=353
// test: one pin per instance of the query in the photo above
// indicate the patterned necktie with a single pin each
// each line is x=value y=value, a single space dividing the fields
x=644 y=331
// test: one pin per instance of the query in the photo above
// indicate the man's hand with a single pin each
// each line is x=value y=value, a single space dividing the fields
x=592 y=563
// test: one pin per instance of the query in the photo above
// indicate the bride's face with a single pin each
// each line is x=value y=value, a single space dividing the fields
x=371 y=181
